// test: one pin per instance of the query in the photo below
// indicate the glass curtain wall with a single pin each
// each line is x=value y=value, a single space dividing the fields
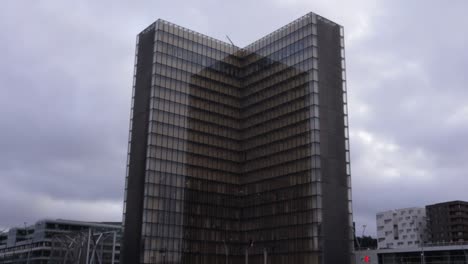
x=281 y=174
x=230 y=154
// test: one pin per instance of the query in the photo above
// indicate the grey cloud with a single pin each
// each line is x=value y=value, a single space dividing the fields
x=409 y=72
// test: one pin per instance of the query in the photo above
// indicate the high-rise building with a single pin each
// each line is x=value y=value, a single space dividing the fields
x=239 y=155
x=401 y=228
x=448 y=222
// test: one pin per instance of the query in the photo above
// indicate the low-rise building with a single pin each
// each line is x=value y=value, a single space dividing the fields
x=61 y=241
x=449 y=253
x=401 y=228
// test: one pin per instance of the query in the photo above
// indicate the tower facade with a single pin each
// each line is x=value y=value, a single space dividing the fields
x=239 y=155
x=447 y=222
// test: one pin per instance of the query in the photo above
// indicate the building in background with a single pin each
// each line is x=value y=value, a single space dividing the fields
x=456 y=253
x=401 y=228
x=239 y=154
x=434 y=235
x=448 y=222
x=61 y=241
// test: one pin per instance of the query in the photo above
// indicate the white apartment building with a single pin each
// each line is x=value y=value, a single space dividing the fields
x=401 y=228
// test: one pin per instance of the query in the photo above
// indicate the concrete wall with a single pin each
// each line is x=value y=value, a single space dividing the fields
x=401 y=228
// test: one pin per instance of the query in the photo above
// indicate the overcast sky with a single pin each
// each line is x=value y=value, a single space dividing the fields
x=66 y=73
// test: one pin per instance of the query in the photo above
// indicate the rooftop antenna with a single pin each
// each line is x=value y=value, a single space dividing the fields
x=230 y=41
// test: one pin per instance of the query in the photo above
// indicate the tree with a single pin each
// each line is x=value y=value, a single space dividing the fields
x=366 y=242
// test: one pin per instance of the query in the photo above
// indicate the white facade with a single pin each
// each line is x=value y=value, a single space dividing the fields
x=401 y=228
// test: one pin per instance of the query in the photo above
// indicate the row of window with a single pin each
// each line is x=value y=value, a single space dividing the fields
x=196 y=80
x=192 y=165
x=187 y=134
x=192 y=171
x=164 y=63
x=281 y=123
x=261 y=146
x=268 y=45
x=208 y=161
x=282 y=182
x=298 y=102
x=159 y=149
x=177 y=91
x=195 y=257
x=281 y=146
x=213 y=128
x=187 y=182
x=182 y=251
x=186 y=208
x=283 y=157
x=194 y=36
x=165 y=211
x=204 y=61
x=303 y=203
x=207 y=49
x=279 y=56
x=162 y=245
x=170 y=67
x=270 y=188
x=189 y=234
x=296 y=66
x=220 y=86
x=191 y=40
x=293 y=130
x=408 y=230
x=409 y=243
x=281 y=169
x=189 y=195
x=221 y=66
x=154 y=219
x=182 y=199
x=196 y=113
x=275 y=93
x=300 y=61
x=172 y=148
x=400 y=219
x=268 y=100
x=159 y=230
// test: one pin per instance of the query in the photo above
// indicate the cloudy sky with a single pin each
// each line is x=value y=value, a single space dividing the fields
x=66 y=73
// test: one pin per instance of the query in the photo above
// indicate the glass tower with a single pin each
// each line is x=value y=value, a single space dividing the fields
x=239 y=155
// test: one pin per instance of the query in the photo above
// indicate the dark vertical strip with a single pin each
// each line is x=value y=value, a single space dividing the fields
x=132 y=240
x=335 y=227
